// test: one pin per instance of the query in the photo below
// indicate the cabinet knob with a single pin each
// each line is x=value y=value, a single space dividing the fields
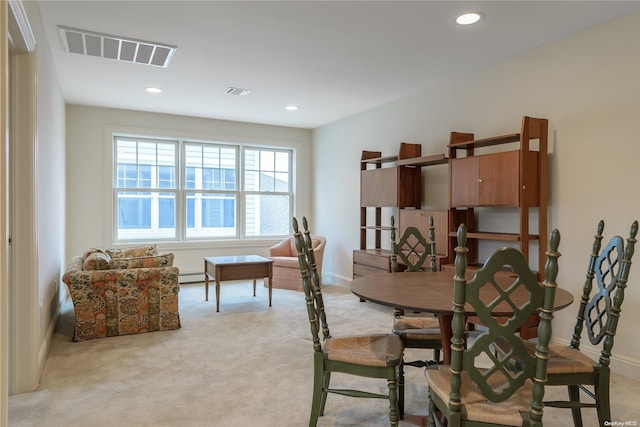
x=479 y=180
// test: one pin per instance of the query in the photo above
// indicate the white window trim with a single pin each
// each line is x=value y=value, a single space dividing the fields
x=164 y=134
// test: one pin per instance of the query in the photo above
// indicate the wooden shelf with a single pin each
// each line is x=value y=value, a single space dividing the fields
x=375 y=227
x=380 y=160
x=503 y=237
x=376 y=252
x=487 y=142
x=436 y=159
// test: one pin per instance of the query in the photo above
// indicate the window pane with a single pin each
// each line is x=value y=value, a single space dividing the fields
x=167 y=211
x=252 y=181
x=266 y=170
x=144 y=176
x=134 y=211
x=151 y=165
x=127 y=175
x=207 y=178
x=282 y=182
x=282 y=161
x=191 y=211
x=229 y=179
x=267 y=215
x=267 y=181
x=146 y=215
x=211 y=215
x=166 y=177
x=214 y=166
x=190 y=178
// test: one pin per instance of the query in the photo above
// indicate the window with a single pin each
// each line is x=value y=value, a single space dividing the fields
x=185 y=190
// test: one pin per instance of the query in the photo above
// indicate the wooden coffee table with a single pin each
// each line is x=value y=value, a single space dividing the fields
x=236 y=267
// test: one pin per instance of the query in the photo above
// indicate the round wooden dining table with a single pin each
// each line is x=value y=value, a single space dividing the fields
x=432 y=292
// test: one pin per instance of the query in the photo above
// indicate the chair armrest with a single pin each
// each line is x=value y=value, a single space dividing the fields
x=281 y=249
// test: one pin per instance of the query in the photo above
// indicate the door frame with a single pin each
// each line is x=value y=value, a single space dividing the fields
x=16 y=37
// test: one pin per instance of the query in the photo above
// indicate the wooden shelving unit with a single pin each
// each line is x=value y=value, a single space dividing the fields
x=512 y=178
x=387 y=182
x=515 y=178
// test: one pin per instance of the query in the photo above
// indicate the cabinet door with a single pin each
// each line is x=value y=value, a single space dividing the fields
x=419 y=218
x=486 y=180
x=498 y=179
x=464 y=181
x=379 y=187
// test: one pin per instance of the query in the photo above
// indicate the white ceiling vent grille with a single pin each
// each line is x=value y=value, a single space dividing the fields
x=115 y=47
x=238 y=91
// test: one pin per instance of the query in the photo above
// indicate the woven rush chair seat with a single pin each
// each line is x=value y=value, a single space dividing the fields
x=368 y=350
x=564 y=360
x=475 y=405
x=406 y=324
x=415 y=328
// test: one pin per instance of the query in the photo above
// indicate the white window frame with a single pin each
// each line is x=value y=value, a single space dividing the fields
x=181 y=190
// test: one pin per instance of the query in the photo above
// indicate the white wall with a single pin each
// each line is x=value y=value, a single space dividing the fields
x=587 y=85
x=89 y=190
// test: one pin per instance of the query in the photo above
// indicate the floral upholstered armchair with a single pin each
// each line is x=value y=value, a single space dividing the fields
x=122 y=292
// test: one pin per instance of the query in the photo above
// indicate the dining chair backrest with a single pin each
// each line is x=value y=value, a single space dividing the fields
x=311 y=284
x=600 y=314
x=412 y=249
x=498 y=378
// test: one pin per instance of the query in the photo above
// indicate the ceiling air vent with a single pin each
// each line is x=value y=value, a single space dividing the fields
x=237 y=91
x=115 y=47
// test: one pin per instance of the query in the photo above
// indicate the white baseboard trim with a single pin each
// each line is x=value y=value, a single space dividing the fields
x=46 y=344
x=337 y=279
x=197 y=277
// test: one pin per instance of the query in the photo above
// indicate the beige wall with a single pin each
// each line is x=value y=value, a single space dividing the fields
x=587 y=85
x=89 y=190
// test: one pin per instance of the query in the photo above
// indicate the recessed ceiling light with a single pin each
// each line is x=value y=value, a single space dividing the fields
x=153 y=90
x=292 y=107
x=469 y=18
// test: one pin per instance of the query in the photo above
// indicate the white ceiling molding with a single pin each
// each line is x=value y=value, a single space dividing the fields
x=20 y=35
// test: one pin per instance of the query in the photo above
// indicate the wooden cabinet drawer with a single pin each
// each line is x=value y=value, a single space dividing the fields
x=373 y=258
x=365 y=270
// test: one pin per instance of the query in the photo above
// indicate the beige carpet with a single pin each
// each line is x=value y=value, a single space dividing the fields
x=248 y=365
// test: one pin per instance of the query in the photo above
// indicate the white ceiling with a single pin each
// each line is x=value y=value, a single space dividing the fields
x=332 y=58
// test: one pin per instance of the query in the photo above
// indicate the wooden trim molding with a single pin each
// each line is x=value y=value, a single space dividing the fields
x=4 y=214
x=20 y=35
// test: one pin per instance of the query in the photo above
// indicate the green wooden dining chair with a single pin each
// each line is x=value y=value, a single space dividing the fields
x=373 y=356
x=599 y=316
x=480 y=389
x=417 y=330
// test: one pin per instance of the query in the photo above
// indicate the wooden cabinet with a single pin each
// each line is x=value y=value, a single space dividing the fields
x=387 y=182
x=419 y=218
x=398 y=186
x=486 y=180
x=515 y=178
